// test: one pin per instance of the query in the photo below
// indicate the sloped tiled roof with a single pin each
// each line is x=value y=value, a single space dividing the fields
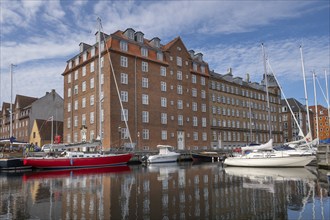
x=294 y=104
x=24 y=101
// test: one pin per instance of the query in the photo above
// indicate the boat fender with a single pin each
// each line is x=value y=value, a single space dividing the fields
x=71 y=162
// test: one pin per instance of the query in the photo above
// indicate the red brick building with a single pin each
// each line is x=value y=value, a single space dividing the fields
x=323 y=122
x=163 y=89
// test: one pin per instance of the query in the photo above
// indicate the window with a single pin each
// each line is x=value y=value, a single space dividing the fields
x=194 y=92
x=179 y=75
x=75 y=89
x=203 y=80
x=180 y=104
x=145 y=116
x=163 y=71
x=163 y=102
x=91 y=85
x=124 y=115
x=83 y=119
x=93 y=51
x=102 y=61
x=204 y=122
x=179 y=89
x=124 y=96
x=91 y=67
x=145 y=134
x=194 y=106
x=180 y=120
x=69 y=78
x=69 y=107
x=195 y=136
x=83 y=102
x=83 y=87
x=124 y=78
x=163 y=86
x=144 y=66
x=195 y=67
x=76 y=74
x=91 y=118
x=85 y=56
x=195 y=121
x=160 y=56
x=144 y=52
x=84 y=71
x=163 y=118
x=76 y=121
x=123 y=61
x=203 y=94
x=203 y=107
x=164 y=135
x=193 y=79
x=123 y=46
x=145 y=99
x=203 y=69
x=91 y=100
x=145 y=82
x=69 y=92
x=77 y=61
x=179 y=61
x=76 y=105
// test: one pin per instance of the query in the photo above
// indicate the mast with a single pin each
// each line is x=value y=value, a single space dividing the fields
x=100 y=74
x=250 y=111
x=316 y=111
x=327 y=90
x=11 y=106
x=305 y=87
x=267 y=93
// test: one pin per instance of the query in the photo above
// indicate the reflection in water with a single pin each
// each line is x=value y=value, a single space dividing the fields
x=165 y=191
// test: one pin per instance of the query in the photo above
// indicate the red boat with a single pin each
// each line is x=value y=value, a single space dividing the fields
x=75 y=172
x=69 y=160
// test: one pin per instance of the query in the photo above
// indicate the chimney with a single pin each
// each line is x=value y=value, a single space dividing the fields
x=230 y=71
x=247 y=77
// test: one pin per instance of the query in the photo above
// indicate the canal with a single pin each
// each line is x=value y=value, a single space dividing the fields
x=166 y=191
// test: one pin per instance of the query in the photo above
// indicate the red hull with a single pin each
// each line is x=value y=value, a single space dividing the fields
x=69 y=163
x=75 y=172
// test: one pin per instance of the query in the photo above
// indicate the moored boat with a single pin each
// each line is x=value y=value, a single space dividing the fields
x=206 y=156
x=69 y=160
x=165 y=155
x=268 y=159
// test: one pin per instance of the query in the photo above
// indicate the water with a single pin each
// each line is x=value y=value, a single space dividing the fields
x=166 y=191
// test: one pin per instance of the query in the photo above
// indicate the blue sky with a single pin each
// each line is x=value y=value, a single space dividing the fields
x=40 y=36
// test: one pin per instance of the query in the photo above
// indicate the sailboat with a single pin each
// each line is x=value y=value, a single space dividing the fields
x=264 y=155
x=78 y=159
x=11 y=163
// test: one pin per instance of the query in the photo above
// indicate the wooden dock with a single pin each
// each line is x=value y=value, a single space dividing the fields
x=323 y=156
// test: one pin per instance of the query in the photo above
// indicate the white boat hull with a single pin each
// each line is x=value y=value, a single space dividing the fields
x=288 y=161
x=163 y=158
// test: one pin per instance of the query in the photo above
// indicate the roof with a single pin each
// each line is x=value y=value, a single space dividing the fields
x=24 y=101
x=295 y=105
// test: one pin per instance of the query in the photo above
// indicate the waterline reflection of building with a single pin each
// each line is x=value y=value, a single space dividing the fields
x=166 y=191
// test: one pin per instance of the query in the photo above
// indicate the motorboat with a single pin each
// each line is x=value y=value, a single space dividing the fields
x=166 y=154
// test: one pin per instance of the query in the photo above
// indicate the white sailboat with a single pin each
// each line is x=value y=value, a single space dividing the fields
x=264 y=155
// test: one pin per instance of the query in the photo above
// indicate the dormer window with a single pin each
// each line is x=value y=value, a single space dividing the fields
x=70 y=64
x=85 y=56
x=77 y=61
x=139 y=36
x=93 y=52
x=203 y=69
x=195 y=66
x=129 y=33
x=155 y=42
